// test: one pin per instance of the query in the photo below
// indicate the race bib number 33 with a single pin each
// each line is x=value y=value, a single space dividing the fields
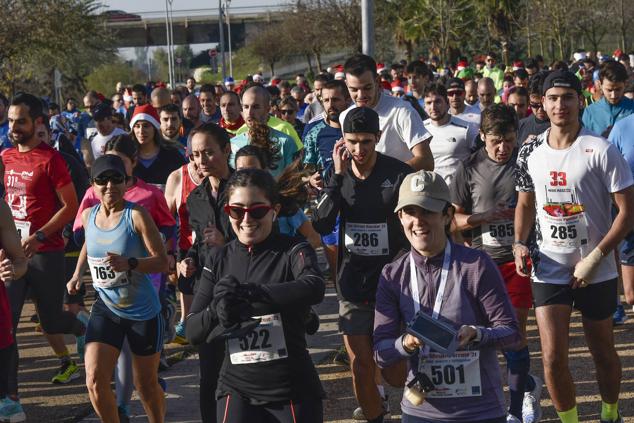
x=454 y=376
x=367 y=239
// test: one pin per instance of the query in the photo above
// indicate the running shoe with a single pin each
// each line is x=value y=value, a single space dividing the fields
x=512 y=419
x=341 y=357
x=163 y=384
x=619 y=419
x=531 y=408
x=619 y=316
x=180 y=337
x=357 y=414
x=11 y=411
x=67 y=373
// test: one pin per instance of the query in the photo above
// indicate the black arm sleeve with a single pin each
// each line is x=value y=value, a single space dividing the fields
x=308 y=288
x=329 y=204
x=201 y=319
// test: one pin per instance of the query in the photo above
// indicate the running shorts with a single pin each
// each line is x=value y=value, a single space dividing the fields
x=597 y=301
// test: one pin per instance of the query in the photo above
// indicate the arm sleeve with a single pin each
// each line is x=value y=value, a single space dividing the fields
x=388 y=333
x=201 y=319
x=306 y=289
x=329 y=204
x=501 y=329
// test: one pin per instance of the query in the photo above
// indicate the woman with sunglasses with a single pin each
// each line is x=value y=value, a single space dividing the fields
x=210 y=150
x=255 y=292
x=122 y=247
x=151 y=199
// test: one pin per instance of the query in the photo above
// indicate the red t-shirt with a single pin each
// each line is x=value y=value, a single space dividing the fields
x=31 y=181
x=185 y=233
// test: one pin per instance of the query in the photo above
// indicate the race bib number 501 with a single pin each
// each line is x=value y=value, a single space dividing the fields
x=454 y=376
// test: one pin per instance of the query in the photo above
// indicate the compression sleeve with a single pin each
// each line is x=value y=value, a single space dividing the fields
x=329 y=204
x=308 y=288
x=201 y=319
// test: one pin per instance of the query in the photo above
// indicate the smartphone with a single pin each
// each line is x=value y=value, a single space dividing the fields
x=440 y=336
x=525 y=265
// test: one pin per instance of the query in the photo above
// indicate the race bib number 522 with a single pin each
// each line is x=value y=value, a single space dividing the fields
x=264 y=343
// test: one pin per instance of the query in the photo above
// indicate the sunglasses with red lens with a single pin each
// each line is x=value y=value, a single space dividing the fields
x=256 y=212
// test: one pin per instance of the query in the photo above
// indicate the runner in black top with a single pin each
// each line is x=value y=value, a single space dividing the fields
x=363 y=189
x=267 y=374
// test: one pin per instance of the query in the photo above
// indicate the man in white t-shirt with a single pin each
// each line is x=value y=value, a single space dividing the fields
x=403 y=135
x=106 y=129
x=457 y=106
x=567 y=180
x=453 y=139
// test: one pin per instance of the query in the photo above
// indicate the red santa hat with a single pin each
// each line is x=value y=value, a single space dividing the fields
x=397 y=88
x=518 y=64
x=462 y=65
x=147 y=113
x=380 y=67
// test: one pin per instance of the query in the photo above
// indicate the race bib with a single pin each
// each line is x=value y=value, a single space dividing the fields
x=454 y=376
x=560 y=233
x=264 y=343
x=498 y=234
x=103 y=276
x=367 y=239
x=23 y=228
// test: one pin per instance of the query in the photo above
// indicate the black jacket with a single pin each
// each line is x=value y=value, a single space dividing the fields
x=205 y=210
x=286 y=270
x=168 y=160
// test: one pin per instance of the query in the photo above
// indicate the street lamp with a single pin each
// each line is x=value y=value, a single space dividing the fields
x=227 y=4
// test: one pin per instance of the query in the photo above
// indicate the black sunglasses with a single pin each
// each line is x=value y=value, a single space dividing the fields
x=256 y=212
x=115 y=179
x=536 y=105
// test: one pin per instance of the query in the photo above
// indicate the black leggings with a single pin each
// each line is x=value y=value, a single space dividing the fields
x=233 y=409
x=5 y=359
x=210 y=357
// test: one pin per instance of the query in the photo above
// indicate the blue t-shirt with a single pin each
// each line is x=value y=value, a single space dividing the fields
x=288 y=225
x=621 y=137
x=319 y=140
x=286 y=144
x=4 y=136
x=600 y=115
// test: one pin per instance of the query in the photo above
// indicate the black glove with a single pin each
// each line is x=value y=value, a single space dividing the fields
x=226 y=285
x=232 y=310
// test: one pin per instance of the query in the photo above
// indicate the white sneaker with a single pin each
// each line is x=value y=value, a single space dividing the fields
x=512 y=419
x=357 y=414
x=531 y=408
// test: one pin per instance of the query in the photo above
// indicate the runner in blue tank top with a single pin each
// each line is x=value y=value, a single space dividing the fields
x=122 y=247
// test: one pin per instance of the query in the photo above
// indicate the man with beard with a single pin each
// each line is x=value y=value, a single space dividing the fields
x=191 y=113
x=42 y=199
x=171 y=128
x=207 y=100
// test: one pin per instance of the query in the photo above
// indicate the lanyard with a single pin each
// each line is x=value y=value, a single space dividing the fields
x=413 y=282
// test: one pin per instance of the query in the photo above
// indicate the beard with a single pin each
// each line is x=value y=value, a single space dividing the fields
x=21 y=138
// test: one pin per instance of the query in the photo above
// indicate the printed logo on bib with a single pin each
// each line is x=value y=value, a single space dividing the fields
x=562 y=219
x=23 y=228
x=498 y=234
x=367 y=239
x=454 y=376
x=103 y=276
x=264 y=343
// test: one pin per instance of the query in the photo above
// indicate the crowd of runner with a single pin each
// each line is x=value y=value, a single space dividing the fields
x=451 y=198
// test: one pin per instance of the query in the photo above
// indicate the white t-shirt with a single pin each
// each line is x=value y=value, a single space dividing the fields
x=451 y=144
x=471 y=114
x=401 y=126
x=98 y=141
x=572 y=199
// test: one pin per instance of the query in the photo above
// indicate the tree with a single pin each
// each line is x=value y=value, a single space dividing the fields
x=39 y=36
x=269 y=47
x=105 y=77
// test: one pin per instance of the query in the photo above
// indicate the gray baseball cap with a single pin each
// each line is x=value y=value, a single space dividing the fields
x=423 y=189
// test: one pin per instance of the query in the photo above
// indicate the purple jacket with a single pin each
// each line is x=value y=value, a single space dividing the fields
x=474 y=295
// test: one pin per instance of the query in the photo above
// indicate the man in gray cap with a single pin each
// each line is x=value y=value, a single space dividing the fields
x=362 y=189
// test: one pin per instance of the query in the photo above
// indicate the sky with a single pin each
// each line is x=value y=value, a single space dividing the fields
x=156 y=8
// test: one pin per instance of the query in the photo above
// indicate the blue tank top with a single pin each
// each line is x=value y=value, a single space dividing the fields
x=129 y=295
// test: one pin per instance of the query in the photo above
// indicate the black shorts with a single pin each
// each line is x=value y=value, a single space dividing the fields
x=595 y=302
x=145 y=336
x=233 y=409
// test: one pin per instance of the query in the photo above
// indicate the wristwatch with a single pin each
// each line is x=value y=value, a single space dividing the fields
x=40 y=236
x=133 y=263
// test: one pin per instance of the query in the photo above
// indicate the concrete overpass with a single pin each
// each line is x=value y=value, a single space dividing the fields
x=190 y=26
